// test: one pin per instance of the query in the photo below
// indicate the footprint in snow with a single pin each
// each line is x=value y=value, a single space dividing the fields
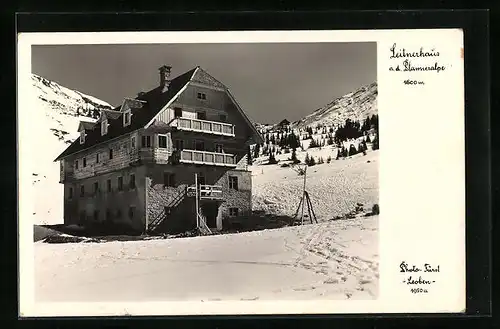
x=248 y=299
x=305 y=288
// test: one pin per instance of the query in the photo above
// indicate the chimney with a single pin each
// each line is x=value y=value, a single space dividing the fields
x=165 y=77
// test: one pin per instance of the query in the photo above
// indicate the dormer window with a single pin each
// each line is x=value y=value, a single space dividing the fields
x=126 y=118
x=82 y=137
x=104 y=127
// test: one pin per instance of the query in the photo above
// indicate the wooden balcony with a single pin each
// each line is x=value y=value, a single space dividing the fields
x=204 y=126
x=207 y=158
x=207 y=192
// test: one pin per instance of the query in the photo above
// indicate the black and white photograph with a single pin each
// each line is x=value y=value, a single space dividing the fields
x=181 y=173
x=206 y=172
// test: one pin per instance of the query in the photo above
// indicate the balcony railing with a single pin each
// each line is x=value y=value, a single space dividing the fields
x=204 y=126
x=210 y=158
x=206 y=191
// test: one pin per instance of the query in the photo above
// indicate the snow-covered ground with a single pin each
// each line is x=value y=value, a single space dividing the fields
x=330 y=260
x=334 y=188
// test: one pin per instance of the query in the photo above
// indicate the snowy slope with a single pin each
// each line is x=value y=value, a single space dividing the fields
x=356 y=105
x=334 y=188
x=57 y=114
x=331 y=260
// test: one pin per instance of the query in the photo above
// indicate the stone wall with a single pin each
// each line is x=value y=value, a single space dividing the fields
x=241 y=198
x=159 y=196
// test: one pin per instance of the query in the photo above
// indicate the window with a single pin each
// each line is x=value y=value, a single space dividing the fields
x=222 y=118
x=199 y=145
x=70 y=193
x=82 y=137
x=201 y=179
x=168 y=179
x=84 y=162
x=109 y=185
x=132 y=181
x=218 y=148
x=202 y=96
x=126 y=118
x=179 y=144
x=162 y=141
x=76 y=164
x=108 y=214
x=233 y=212
x=104 y=127
x=167 y=210
x=97 y=158
x=110 y=154
x=119 y=213
x=120 y=183
x=82 y=190
x=96 y=187
x=177 y=112
x=131 y=212
x=83 y=216
x=96 y=215
x=132 y=142
x=201 y=115
x=146 y=141
x=233 y=182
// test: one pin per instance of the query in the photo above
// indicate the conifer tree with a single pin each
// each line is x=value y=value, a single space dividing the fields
x=256 y=151
x=294 y=157
x=344 y=152
x=307 y=159
x=272 y=159
x=375 y=143
x=352 y=150
x=365 y=147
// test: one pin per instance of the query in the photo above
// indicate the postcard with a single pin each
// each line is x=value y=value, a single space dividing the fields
x=249 y=172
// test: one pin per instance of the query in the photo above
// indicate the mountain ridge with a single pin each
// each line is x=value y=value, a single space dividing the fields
x=356 y=105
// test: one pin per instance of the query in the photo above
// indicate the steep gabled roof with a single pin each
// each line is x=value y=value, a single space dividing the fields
x=145 y=108
x=87 y=125
x=110 y=114
x=284 y=122
x=155 y=100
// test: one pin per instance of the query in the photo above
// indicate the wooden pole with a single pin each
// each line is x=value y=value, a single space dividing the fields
x=196 y=199
x=303 y=195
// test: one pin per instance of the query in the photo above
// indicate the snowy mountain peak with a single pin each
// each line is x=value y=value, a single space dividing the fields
x=67 y=101
x=356 y=105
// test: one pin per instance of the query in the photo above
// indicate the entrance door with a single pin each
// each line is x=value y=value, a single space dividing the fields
x=210 y=210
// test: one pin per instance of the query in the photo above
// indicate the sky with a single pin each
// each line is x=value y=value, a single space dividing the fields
x=271 y=81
